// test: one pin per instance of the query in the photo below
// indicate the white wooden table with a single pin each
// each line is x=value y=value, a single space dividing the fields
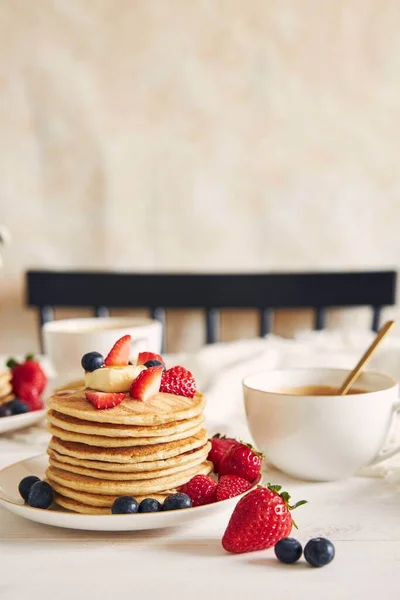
x=361 y=516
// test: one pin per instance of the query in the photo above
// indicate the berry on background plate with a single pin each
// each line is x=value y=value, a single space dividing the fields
x=200 y=489
x=260 y=520
x=146 y=384
x=27 y=373
x=178 y=381
x=119 y=353
x=18 y=407
x=319 y=552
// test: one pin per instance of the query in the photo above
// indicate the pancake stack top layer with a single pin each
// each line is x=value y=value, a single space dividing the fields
x=138 y=448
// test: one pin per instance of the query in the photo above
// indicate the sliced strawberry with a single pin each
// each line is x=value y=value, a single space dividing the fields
x=147 y=384
x=143 y=357
x=119 y=353
x=102 y=400
x=178 y=381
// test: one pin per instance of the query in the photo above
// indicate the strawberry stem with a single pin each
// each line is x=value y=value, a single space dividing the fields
x=11 y=363
x=29 y=356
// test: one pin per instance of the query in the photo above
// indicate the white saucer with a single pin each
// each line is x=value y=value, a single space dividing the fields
x=12 y=501
x=20 y=421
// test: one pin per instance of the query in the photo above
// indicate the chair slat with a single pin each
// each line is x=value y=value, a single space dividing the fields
x=158 y=313
x=320 y=318
x=376 y=317
x=212 y=325
x=266 y=321
x=46 y=314
x=101 y=311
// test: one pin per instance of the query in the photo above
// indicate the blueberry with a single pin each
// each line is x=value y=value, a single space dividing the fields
x=124 y=505
x=177 y=501
x=18 y=407
x=6 y=410
x=319 y=551
x=25 y=486
x=149 y=505
x=155 y=363
x=41 y=495
x=92 y=361
x=288 y=550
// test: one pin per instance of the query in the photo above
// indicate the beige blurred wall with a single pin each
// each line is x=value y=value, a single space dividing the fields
x=196 y=135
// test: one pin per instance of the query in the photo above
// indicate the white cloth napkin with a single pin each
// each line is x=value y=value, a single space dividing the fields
x=220 y=368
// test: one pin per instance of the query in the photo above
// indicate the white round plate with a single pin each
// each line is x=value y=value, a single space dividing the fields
x=20 y=421
x=59 y=517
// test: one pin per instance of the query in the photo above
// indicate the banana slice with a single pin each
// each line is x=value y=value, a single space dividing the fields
x=113 y=379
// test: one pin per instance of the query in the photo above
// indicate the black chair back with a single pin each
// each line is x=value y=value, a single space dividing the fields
x=157 y=292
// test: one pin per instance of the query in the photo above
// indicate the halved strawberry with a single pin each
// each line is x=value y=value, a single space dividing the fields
x=147 y=384
x=119 y=353
x=102 y=400
x=143 y=357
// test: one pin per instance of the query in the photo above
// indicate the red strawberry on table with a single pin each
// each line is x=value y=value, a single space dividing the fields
x=230 y=486
x=178 y=381
x=144 y=357
x=31 y=397
x=200 y=489
x=260 y=520
x=241 y=460
x=119 y=353
x=27 y=373
x=219 y=447
x=146 y=384
x=103 y=400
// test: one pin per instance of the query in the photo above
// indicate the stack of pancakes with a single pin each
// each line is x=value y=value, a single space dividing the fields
x=141 y=449
x=6 y=394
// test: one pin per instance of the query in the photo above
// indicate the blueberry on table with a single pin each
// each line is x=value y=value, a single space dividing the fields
x=5 y=410
x=155 y=363
x=319 y=552
x=25 y=486
x=149 y=505
x=18 y=407
x=92 y=361
x=177 y=501
x=124 y=505
x=288 y=550
x=41 y=495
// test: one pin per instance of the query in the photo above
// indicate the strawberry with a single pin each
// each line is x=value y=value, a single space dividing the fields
x=260 y=519
x=200 y=489
x=146 y=384
x=230 y=486
x=219 y=447
x=103 y=400
x=119 y=353
x=178 y=381
x=31 y=397
x=241 y=460
x=29 y=372
x=143 y=357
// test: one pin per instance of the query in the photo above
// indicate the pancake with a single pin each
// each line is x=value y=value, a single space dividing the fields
x=132 y=454
x=6 y=399
x=102 y=501
x=187 y=458
x=109 y=442
x=160 y=408
x=79 y=507
x=69 y=423
x=82 y=483
x=123 y=476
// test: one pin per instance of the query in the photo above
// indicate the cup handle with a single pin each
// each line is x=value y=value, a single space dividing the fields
x=384 y=454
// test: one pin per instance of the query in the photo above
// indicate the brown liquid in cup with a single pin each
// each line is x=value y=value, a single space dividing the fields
x=316 y=390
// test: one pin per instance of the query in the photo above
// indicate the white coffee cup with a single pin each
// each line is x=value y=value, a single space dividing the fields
x=67 y=340
x=320 y=438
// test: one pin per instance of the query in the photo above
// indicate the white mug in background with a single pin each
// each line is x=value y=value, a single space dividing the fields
x=320 y=438
x=67 y=340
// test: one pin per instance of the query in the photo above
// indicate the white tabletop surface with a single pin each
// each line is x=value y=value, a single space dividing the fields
x=361 y=516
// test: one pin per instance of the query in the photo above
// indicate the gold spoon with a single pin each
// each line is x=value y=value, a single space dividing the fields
x=356 y=372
